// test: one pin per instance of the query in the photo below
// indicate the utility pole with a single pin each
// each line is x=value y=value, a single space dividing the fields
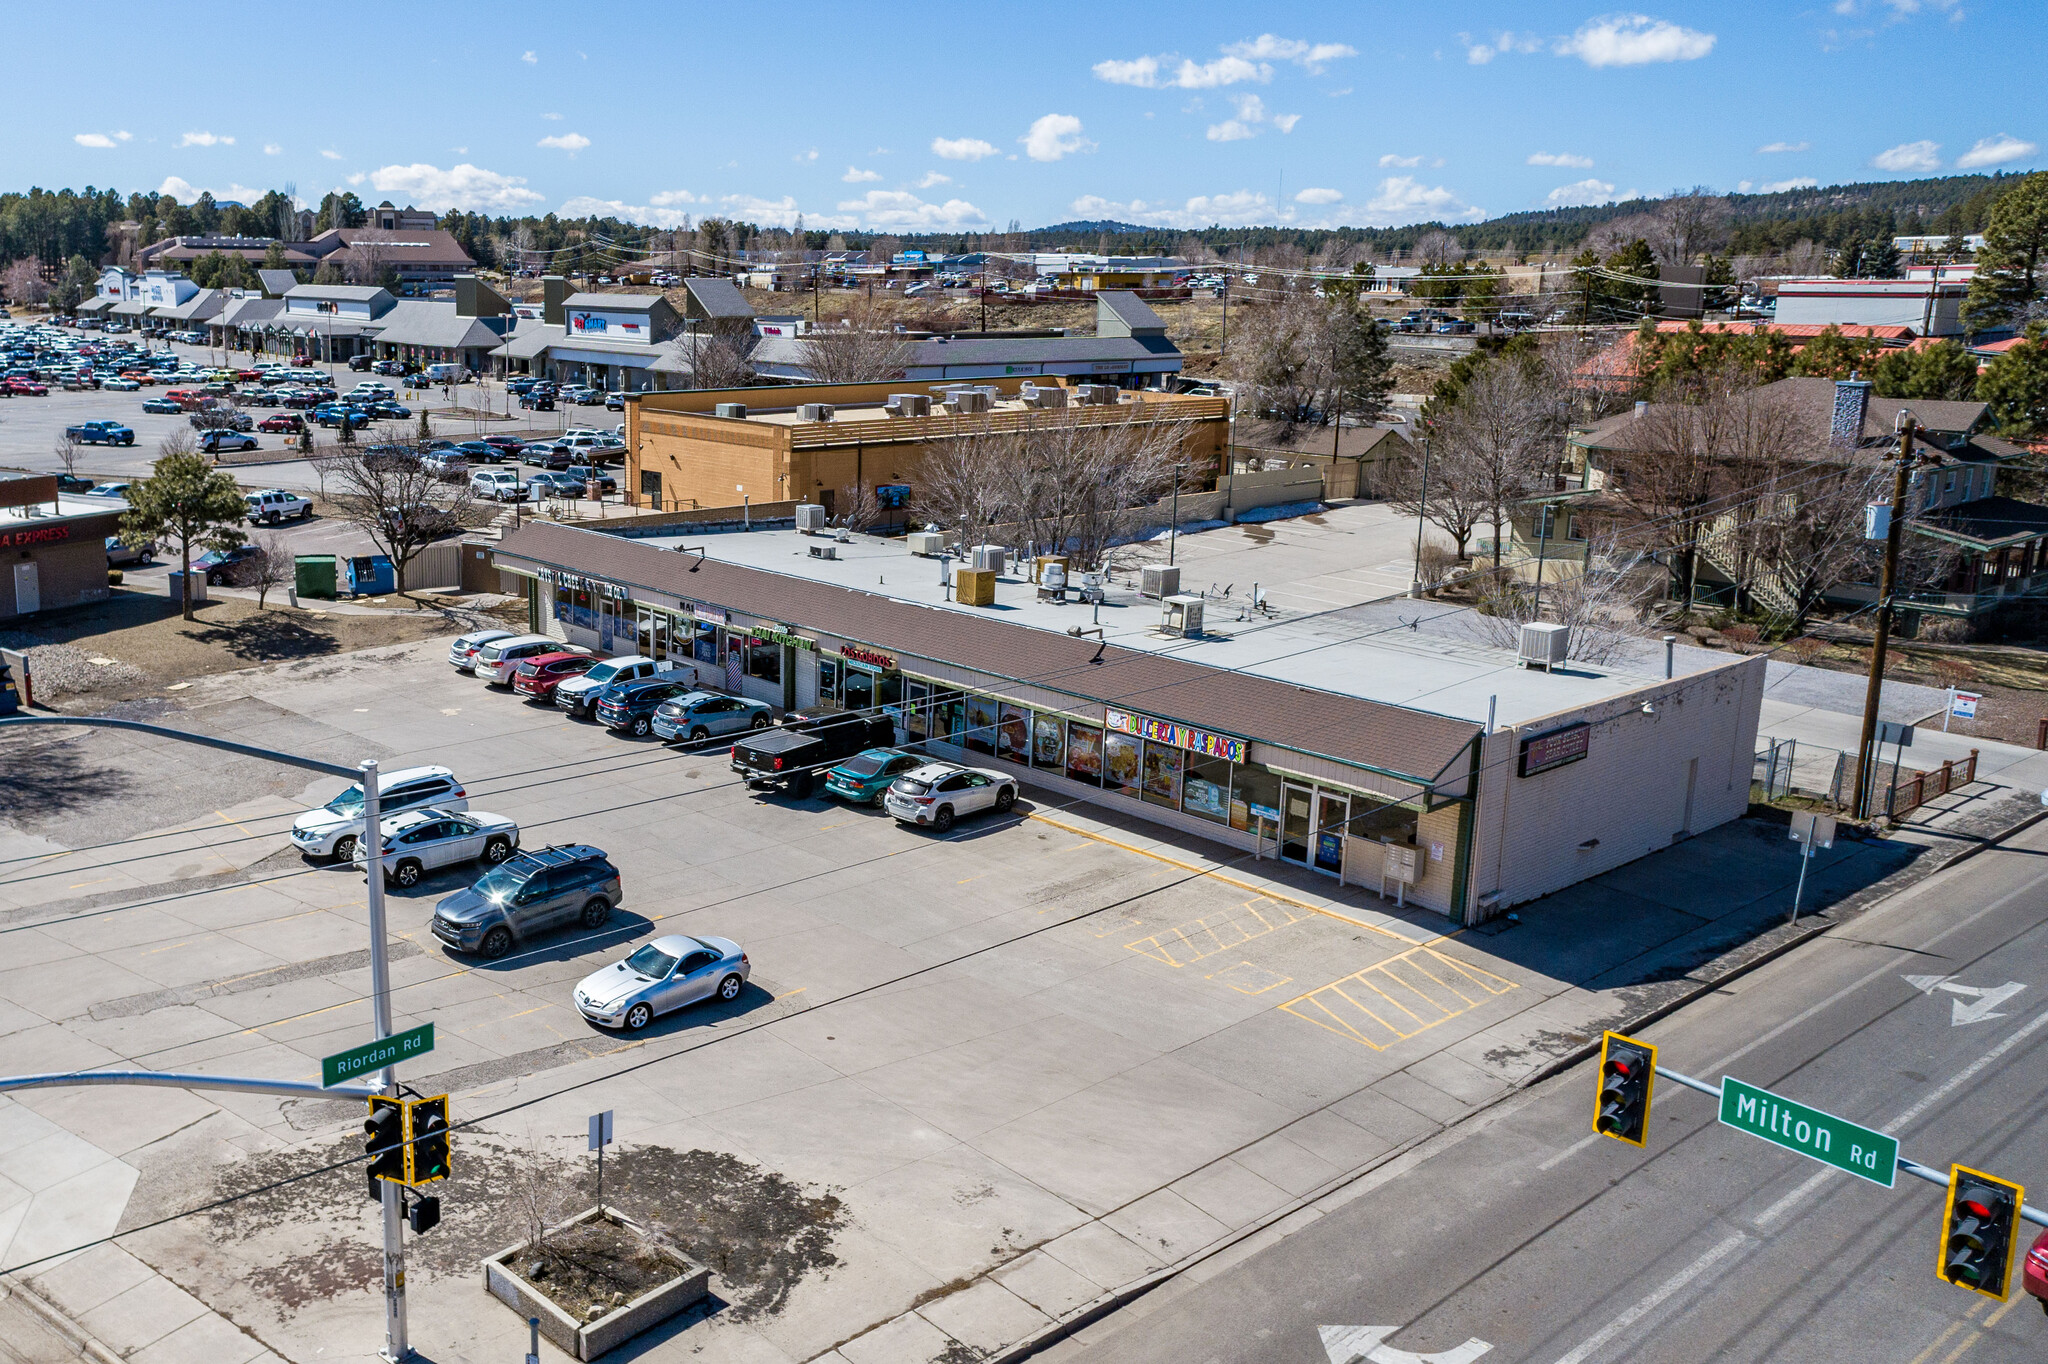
x=396 y=1348
x=1894 y=529
x=1421 y=507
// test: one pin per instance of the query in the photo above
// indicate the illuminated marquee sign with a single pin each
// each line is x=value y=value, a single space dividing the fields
x=40 y=535
x=874 y=658
x=1177 y=735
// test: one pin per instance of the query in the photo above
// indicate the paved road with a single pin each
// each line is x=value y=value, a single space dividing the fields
x=1558 y=1247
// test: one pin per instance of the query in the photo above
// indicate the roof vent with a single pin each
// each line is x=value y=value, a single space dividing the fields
x=814 y=412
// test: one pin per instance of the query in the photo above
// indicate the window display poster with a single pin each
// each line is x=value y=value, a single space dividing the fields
x=981 y=724
x=1162 y=773
x=1046 y=733
x=1204 y=797
x=1013 y=733
x=1120 y=760
x=1084 y=753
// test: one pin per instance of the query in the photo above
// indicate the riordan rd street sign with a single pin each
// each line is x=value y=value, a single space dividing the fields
x=1812 y=1133
x=357 y=1061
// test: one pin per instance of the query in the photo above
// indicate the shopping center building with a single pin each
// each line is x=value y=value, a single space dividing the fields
x=1445 y=773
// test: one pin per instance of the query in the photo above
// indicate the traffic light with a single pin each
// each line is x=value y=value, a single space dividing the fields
x=1978 y=1240
x=426 y=1130
x=384 y=1142
x=423 y=1215
x=1628 y=1071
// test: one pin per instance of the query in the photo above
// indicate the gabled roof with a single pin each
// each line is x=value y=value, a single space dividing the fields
x=716 y=299
x=1987 y=523
x=248 y=311
x=205 y=304
x=337 y=293
x=277 y=282
x=434 y=322
x=1127 y=314
x=1352 y=442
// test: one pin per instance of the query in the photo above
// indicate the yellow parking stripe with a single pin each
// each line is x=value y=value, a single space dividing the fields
x=1393 y=1000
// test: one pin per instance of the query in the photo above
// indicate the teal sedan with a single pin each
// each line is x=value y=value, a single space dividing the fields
x=863 y=778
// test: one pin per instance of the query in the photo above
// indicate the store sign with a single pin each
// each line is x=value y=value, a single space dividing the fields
x=1175 y=735
x=710 y=615
x=576 y=582
x=39 y=535
x=1555 y=748
x=874 y=658
x=781 y=634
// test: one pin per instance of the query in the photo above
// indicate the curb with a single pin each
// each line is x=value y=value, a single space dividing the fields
x=88 y=1345
x=1822 y=923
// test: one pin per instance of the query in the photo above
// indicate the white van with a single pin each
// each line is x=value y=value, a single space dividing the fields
x=447 y=374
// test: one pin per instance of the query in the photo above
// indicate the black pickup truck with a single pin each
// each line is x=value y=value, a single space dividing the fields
x=795 y=755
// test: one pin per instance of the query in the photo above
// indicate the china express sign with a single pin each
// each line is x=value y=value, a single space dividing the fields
x=576 y=582
x=1176 y=735
x=40 y=535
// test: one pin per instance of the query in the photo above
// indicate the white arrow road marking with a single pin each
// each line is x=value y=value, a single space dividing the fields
x=1987 y=997
x=1365 y=1345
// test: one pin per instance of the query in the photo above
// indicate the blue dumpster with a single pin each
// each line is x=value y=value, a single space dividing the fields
x=370 y=575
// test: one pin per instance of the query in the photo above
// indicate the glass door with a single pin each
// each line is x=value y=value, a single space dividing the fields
x=1296 y=833
x=1333 y=814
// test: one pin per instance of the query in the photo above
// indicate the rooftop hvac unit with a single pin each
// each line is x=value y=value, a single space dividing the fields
x=929 y=543
x=1181 y=615
x=990 y=557
x=909 y=405
x=814 y=412
x=824 y=551
x=810 y=518
x=730 y=410
x=967 y=402
x=1543 y=645
x=1096 y=395
x=1159 y=580
x=1044 y=397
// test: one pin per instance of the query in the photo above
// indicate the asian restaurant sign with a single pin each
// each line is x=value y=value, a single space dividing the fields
x=37 y=535
x=1176 y=735
x=1555 y=748
x=781 y=634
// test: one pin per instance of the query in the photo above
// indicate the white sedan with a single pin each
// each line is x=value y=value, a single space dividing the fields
x=938 y=793
x=420 y=841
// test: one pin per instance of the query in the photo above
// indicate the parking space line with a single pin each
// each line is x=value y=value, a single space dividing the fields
x=1250 y=978
x=1459 y=987
x=225 y=820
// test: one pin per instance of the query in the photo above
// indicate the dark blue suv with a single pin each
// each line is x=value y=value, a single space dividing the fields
x=630 y=706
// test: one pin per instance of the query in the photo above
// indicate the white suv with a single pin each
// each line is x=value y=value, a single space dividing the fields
x=333 y=829
x=500 y=485
x=937 y=793
x=495 y=662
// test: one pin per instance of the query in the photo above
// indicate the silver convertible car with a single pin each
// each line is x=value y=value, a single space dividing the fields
x=665 y=974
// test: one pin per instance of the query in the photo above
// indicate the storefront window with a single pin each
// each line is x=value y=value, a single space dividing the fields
x=1121 y=759
x=889 y=689
x=1255 y=791
x=949 y=716
x=828 y=680
x=1205 y=790
x=706 y=647
x=1084 y=752
x=858 y=686
x=981 y=724
x=764 y=660
x=1013 y=734
x=1046 y=733
x=1162 y=775
x=575 y=607
x=917 y=708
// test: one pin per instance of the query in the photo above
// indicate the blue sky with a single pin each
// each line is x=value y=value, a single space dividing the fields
x=939 y=117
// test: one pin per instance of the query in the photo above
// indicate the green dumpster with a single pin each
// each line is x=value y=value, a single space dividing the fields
x=315 y=575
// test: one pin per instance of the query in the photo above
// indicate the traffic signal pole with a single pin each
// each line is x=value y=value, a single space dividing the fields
x=396 y=1348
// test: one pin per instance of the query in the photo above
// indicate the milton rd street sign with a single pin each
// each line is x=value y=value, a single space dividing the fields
x=1812 y=1133
x=386 y=1051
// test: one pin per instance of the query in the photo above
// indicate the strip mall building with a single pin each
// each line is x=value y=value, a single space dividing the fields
x=1223 y=736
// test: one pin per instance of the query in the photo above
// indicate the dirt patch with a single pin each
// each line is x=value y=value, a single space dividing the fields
x=149 y=645
x=315 y=1238
x=2014 y=686
x=595 y=1263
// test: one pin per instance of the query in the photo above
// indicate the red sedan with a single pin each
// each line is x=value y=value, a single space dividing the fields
x=538 y=676
x=2034 y=1270
x=26 y=388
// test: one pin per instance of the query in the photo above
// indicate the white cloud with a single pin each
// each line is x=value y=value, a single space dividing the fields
x=123 y=136
x=900 y=209
x=1634 y=40
x=583 y=206
x=566 y=142
x=1780 y=186
x=1406 y=197
x=855 y=175
x=1566 y=159
x=669 y=198
x=185 y=192
x=1909 y=156
x=467 y=187
x=1251 y=112
x=961 y=148
x=1053 y=137
x=1395 y=159
x=1313 y=56
x=1995 y=151
x=1285 y=122
x=1773 y=148
x=1587 y=191
x=272 y=149
x=331 y=156
x=1204 y=210
x=1320 y=196
x=204 y=140
x=552 y=118
x=1230 y=130
x=1481 y=51
x=934 y=178
x=1142 y=72
x=357 y=178
x=529 y=58
x=92 y=140
x=811 y=155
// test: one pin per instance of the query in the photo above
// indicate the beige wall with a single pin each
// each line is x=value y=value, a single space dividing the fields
x=66 y=574
x=1629 y=792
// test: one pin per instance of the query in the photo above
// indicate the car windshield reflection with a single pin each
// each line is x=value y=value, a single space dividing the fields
x=652 y=962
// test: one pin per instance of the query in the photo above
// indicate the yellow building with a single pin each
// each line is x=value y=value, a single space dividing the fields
x=816 y=442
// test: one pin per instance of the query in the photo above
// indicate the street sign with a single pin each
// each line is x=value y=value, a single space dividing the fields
x=1892 y=732
x=1813 y=830
x=359 y=1061
x=601 y=1130
x=1818 y=1136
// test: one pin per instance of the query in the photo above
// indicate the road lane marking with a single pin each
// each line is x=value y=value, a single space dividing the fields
x=1562 y=1156
x=1249 y=978
x=2039 y=1020
x=1185 y=944
x=1585 y=1348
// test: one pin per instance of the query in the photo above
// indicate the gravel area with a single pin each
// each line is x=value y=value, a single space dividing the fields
x=65 y=669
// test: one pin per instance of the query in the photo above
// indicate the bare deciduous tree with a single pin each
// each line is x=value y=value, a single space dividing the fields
x=269 y=568
x=1595 y=605
x=1689 y=224
x=24 y=283
x=388 y=493
x=1310 y=360
x=1497 y=441
x=69 y=452
x=864 y=349
x=716 y=360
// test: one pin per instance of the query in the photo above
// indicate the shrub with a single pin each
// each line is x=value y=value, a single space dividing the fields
x=1953 y=672
x=1806 y=649
x=1743 y=637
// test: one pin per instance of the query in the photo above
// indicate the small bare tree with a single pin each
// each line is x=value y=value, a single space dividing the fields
x=1437 y=482
x=716 y=360
x=388 y=493
x=69 y=452
x=24 y=283
x=269 y=568
x=220 y=414
x=960 y=487
x=860 y=508
x=864 y=349
x=1595 y=605
x=1498 y=440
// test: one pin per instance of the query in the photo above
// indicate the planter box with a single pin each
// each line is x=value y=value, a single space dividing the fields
x=588 y=1340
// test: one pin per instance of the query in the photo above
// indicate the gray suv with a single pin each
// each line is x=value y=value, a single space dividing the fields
x=567 y=885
